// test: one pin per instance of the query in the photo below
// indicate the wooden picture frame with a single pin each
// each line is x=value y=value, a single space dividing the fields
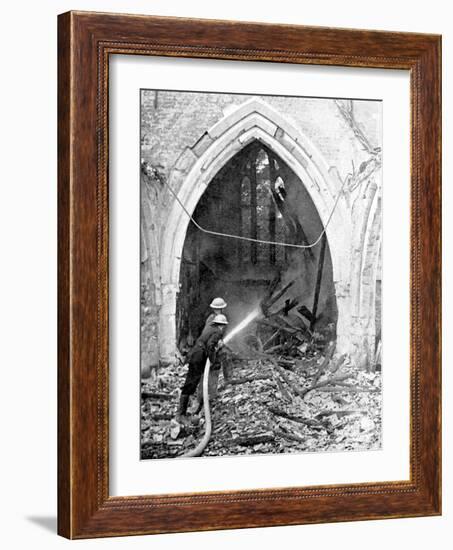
x=85 y=42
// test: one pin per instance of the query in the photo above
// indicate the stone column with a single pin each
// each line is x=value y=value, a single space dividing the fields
x=344 y=321
x=167 y=324
x=362 y=322
x=362 y=340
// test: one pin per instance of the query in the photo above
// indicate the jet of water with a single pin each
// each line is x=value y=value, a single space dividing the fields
x=242 y=324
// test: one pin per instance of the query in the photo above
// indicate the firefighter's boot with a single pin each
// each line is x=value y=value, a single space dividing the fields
x=182 y=410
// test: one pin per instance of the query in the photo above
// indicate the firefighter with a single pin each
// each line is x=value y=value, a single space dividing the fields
x=222 y=358
x=217 y=306
x=206 y=346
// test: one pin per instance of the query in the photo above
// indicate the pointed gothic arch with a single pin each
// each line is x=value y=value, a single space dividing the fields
x=253 y=120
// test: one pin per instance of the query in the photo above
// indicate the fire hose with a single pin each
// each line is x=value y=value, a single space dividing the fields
x=207 y=415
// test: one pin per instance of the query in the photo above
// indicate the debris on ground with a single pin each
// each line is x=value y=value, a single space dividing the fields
x=272 y=405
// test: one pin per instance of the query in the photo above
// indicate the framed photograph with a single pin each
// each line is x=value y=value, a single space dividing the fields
x=249 y=275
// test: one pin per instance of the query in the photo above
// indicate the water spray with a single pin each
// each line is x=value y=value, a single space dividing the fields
x=207 y=411
x=241 y=326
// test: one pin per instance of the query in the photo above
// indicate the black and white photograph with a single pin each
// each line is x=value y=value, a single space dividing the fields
x=260 y=275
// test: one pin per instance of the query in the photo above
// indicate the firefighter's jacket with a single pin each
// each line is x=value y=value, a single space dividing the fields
x=208 y=341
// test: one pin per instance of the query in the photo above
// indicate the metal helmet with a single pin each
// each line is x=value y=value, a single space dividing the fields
x=220 y=319
x=218 y=303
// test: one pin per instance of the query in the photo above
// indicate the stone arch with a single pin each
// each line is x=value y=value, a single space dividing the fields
x=253 y=120
x=366 y=300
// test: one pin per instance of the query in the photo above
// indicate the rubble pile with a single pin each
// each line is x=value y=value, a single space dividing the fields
x=286 y=327
x=272 y=405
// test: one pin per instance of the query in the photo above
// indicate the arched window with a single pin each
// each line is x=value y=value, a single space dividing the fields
x=262 y=197
x=254 y=195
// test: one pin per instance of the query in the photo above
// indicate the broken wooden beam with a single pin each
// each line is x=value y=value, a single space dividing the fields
x=271 y=338
x=273 y=349
x=303 y=321
x=316 y=424
x=292 y=436
x=305 y=312
x=274 y=325
x=273 y=299
x=156 y=395
x=296 y=389
x=287 y=364
x=272 y=286
x=161 y=416
x=282 y=389
x=322 y=252
x=329 y=382
x=339 y=413
x=347 y=389
x=289 y=305
x=285 y=321
x=245 y=379
x=250 y=440
x=283 y=327
x=325 y=363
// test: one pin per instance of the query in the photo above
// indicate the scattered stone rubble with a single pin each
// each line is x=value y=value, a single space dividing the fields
x=274 y=404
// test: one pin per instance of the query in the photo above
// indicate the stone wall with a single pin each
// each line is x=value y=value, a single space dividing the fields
x=333 y=146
